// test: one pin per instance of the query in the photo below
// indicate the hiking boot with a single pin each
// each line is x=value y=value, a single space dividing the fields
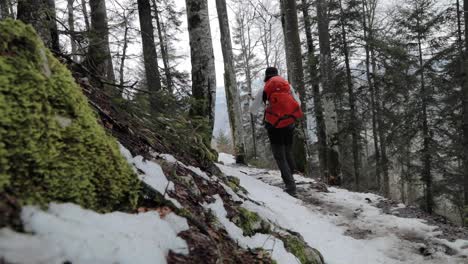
x=291 y=192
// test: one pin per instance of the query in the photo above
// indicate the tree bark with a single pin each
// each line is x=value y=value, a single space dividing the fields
x=71 y=28
x=296 y=76
x=202 y=58
x=99 y=58
x=85 y=15
x=150 y=57
x=41 y=15
x=426 y=155
x=465 y=114
x=370 y=82
x=318 y=108
x=328 y=94
x=230 y=83
x=5 y=9
x=163 y=48
x=124 y=53
x=353 y=124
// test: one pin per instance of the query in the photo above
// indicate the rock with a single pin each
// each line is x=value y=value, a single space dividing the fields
x=51 y=146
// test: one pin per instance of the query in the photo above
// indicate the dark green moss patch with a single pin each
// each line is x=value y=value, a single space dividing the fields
x=301 y=250
x=51 y=145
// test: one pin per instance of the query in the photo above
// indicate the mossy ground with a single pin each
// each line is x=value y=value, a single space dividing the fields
x=51 y=145
x=299 y=248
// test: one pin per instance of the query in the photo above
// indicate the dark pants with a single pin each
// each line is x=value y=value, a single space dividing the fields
x=281 y=140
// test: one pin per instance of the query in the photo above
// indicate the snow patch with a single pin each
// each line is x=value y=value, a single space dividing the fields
x=226 y=159
x=66 y=232
x=267 y=242
x=153 y=174
x=326 y=230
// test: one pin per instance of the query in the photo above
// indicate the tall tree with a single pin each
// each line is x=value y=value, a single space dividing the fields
x=150 y=58
x=329 y=93
x=98 y=58
x=465 y=114
x=353 y=123
x=202 y=57
x=5 y=9
x=163 y=48
x=296 y=74
x=41 y=15
x=71 y=28
x=368 y=9
x=230 y=83
x=312 y=63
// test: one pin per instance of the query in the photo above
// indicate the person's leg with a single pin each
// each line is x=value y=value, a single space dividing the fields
x=277 y=140
x=279 y=153
x=288 y=141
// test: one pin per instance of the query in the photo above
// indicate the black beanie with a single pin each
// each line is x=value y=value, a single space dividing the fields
x=270 y=72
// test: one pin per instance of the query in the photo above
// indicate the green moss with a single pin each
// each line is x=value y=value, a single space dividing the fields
x=51 y=146
x=299 y=248
x=234 y=184
x=250 y=222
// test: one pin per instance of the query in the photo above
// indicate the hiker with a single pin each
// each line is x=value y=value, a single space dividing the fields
x=282 y=108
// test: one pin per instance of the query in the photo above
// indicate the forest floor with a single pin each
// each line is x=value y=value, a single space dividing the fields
x=349 y=227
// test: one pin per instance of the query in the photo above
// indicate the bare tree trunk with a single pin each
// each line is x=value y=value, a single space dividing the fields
x=51 y=16
x=150 y=57
x=5 y=9
x=329 y=93
x=41 y=15
x=367 y=46
x=71 y=28
x=426 y=155
x=99 y=58
x=465 y=114
x=124 y=53
x=163 y=47
x=85 y=15
x=202 y=57
x=296 y=76
x=353 y=124
x=230 y=83
x=318 y=109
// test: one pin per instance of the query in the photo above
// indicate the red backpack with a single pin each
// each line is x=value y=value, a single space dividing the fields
x=282 y=109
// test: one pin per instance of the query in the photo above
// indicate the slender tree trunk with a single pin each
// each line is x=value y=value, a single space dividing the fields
x=41 y=15
x=98 y=58
x=465 y=114
x=370 y=82
x=163 y=46
x=51 y=17
x=202 y=57
x=352 y=105
x=230 y=83
x=426 y=156
x=153 y=81
x=328 y=94
x=5 y=9
x=85 y=15
x=318 y=109
x=71 y=27
x=296 y=76
x=124 y=54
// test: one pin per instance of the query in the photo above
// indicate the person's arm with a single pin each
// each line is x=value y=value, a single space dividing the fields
x=295 y=95
x=257 y=102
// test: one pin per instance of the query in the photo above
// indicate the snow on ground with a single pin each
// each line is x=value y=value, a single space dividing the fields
x=66 y=232
x=152 y=175
x=226 y=159
x=267 y=242
x=344 y=226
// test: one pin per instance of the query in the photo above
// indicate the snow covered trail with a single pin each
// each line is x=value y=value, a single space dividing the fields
x=346 y=227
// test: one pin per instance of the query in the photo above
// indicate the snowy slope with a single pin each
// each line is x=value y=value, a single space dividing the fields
x=343 y=225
